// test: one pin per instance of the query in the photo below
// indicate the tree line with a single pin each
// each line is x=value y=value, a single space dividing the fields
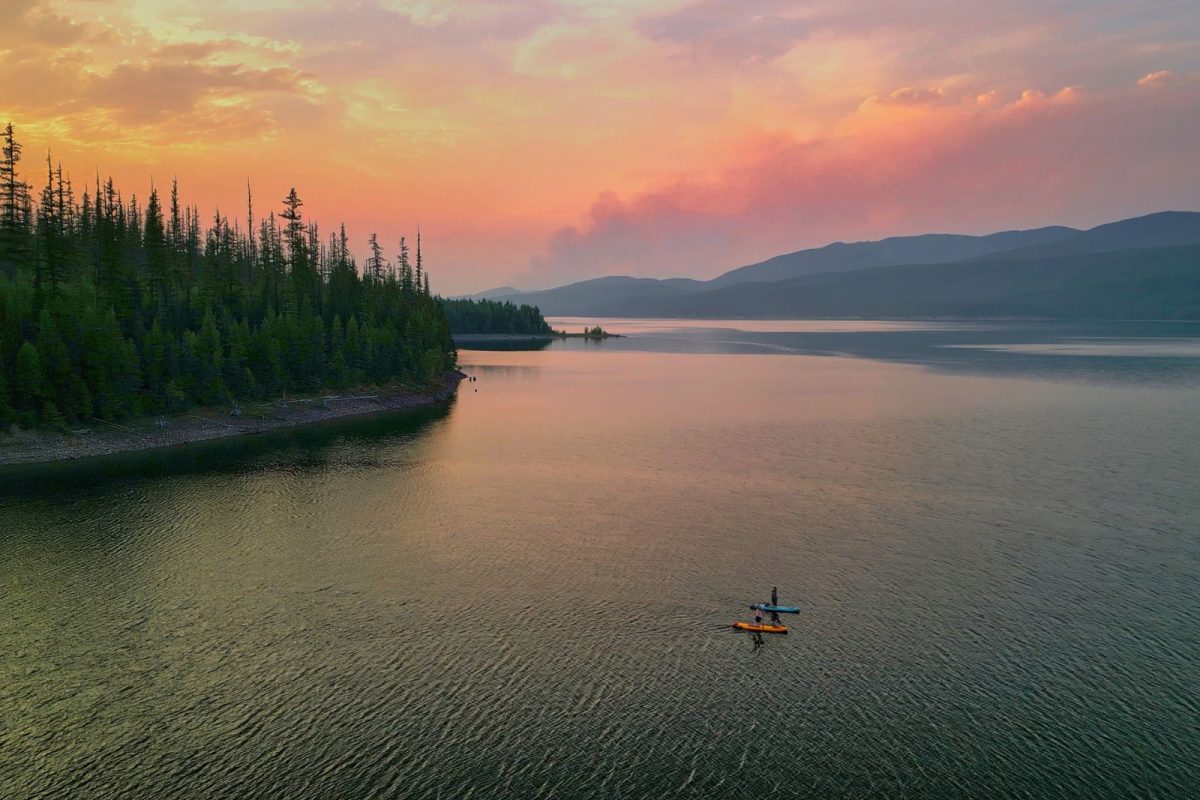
x=113 y=306
x=492 y=316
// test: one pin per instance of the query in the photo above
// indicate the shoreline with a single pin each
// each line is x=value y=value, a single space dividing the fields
x=522 y=337
x=32 y=447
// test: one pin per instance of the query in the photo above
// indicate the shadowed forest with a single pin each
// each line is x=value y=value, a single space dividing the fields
x=494 y=316
x=111 y=306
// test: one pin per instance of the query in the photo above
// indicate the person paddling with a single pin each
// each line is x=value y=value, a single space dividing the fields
x=758 y=616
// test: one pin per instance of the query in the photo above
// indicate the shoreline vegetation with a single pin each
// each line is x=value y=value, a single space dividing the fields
x=594 y=333
x=114 y=308
x=129 y=323
x=501 y=322
x=471 y=317
x=103 y=438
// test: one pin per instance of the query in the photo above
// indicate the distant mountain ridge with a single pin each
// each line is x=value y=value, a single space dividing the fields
x=930 y=248
x=1164 y=229
x=491 y=294
x=1145 y=267
x=1149 y=283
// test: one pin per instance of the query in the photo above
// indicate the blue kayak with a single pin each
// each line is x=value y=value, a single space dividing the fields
x=776 y=609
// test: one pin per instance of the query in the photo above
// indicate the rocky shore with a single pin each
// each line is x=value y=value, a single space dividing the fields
x=101 y=438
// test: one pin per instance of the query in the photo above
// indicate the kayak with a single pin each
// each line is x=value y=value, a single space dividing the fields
x=750 y=626
x=776 y=609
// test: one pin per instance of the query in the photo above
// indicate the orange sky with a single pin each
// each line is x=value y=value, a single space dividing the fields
x=542 y=141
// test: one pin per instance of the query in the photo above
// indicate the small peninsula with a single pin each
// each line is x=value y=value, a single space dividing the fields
x=115 y=310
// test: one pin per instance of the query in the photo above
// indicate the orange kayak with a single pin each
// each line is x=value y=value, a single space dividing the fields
x=750 y=626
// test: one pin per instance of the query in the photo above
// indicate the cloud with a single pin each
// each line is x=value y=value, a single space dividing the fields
x=41 y=82
x=727 y=131
x=909 y=96
x=1033 y=98
x=140 y=93
x=109 y=79
x=31 y=23
x=753 y=30
x=657 y=233
x=1160 y=78
x=961 y=167
x=372 y=34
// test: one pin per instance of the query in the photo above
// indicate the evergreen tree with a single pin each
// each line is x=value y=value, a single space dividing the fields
x=111 y=307
x=7 y=413
x=376 y=264
x=14 y=206
x=27 y=394
x=62 y=381
x=406 y=275
x=158 y=261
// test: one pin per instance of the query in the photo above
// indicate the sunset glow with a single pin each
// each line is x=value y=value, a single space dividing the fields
x=542 y=141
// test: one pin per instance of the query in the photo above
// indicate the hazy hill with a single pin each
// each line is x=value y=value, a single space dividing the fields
x=1164 y=229
x=492 y=294
x=1144 y=267
x=933 y=248
x=1152 y=283
x=617 y=291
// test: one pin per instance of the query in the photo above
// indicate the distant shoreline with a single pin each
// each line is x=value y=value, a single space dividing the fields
x=526 y=337
x=44 y=447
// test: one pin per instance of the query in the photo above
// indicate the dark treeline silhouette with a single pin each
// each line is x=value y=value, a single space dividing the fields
x=490 y=316
x=111 y=307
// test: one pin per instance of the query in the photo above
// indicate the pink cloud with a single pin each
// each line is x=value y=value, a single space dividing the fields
x=1036 y=97
x=753 y=30
x=908 y=96
x=1159 y=78
x=33 y=23
x=149 y=91
x=1062 y=158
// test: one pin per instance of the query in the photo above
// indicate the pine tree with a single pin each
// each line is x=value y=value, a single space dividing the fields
x=14 y=206
x=61 y=378
x=419 y=259
x=158 y=263
x=116 y=307
x=7 y=413
x=406 y=276
x=251 y=250
x=376 y=264
x=154 y=368
x=207 y=359
x=48 y=233
x=27 y=389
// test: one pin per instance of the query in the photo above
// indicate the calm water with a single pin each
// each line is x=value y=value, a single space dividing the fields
x=992 y=530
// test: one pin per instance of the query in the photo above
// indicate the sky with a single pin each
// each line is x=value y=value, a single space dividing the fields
x=537 y=142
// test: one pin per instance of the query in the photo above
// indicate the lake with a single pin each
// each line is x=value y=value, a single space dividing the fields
x=990 y=528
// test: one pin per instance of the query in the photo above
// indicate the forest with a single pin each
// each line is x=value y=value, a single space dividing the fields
x=492 y=316
x=111 y=306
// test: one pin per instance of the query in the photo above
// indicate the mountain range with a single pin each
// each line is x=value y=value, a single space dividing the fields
x=1142 y=268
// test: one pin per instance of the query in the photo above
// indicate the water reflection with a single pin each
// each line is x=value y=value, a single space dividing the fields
x=502 y=343
x=295 y=449
x=1121 y=352
x=998 y=580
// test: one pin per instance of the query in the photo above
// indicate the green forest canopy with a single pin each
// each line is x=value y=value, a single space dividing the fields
x=111 y=307
x=492 y=316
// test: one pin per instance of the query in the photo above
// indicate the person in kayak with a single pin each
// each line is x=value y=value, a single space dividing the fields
x=758 y=616
x=775 y=602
